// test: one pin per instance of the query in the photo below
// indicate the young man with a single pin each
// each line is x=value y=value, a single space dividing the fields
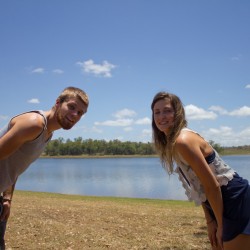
x=25 y=137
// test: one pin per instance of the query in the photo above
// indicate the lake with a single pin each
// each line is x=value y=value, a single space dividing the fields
x=118 y=177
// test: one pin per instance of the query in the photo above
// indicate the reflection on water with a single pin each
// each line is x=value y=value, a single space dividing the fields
x=121 y=177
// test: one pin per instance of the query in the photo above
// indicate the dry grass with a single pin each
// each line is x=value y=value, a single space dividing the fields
x=52 y=221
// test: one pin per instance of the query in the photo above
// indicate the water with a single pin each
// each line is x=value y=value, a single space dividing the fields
x=119 y=177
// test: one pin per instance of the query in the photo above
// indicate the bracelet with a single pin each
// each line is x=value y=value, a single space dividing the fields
x=210 y=221
x=6 y=199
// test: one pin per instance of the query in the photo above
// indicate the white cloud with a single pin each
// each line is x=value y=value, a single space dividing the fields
x=146 y=135
x=222 y=131
x=124 y=113
x=219 y=110
x=147 y=132
x=33 y=100
x=124 y=119
x=103 y=69
x=236 y=58
x=119 y=138
x=247 y=86
x=96 y=130
x=38 y=71
x=243 y=111
x=245 y=133
x=226 y=136
x=115 y=123
x=58 y=71
x=128 y=129
x=143 y=121
x=3 y=117
x=195 y=113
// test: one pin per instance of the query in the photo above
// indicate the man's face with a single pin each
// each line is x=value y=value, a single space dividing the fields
x=70 y=112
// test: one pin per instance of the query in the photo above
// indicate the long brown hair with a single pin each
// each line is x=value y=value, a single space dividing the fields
x=164 y=144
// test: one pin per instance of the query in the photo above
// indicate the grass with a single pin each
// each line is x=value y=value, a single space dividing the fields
x=56 y=221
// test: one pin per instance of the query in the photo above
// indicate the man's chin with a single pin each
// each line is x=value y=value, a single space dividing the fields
x=67 y=128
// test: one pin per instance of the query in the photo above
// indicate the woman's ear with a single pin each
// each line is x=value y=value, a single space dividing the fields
x=57 y=102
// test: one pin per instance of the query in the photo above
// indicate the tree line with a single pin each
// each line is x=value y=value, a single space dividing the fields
x=60 y=147
x=79 y=146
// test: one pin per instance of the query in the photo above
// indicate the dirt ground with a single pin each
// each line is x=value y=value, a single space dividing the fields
x=51 y=221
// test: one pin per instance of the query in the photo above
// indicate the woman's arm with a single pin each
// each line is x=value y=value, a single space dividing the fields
x=191 y=147
x=207 y=214
x=211 y=226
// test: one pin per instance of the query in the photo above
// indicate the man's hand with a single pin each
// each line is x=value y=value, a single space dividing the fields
x=6 y=210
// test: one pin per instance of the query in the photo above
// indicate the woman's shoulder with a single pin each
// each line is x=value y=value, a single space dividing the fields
x=188 y=140
x=186 y=135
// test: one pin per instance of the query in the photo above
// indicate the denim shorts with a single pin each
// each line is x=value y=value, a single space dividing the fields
x=236 y=212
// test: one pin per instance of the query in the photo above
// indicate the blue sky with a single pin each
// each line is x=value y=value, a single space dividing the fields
x=122 y=53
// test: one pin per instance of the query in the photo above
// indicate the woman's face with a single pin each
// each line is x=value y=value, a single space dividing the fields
x=163 y=114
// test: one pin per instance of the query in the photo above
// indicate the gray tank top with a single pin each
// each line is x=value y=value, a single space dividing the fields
x=20 y=160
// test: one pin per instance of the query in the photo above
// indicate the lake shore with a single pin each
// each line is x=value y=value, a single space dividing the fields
x=229 y=152
x=243 y=150
x=97 y=156
x=56 y=221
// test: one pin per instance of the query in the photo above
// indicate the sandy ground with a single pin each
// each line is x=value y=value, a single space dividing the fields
x=50 y=221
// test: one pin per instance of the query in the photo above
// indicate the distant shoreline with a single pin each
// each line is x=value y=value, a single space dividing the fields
x=98 y=156
x=126 y=156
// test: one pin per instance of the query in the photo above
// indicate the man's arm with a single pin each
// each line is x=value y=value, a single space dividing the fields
x=23 y=128
x=8 y=193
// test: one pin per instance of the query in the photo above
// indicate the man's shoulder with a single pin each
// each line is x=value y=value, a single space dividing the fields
x=29 y=124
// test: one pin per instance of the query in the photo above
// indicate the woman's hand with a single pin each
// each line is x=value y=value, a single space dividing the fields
x=214 y=235
x=219 y=238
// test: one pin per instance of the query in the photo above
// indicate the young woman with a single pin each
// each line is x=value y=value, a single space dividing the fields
x=208 y=180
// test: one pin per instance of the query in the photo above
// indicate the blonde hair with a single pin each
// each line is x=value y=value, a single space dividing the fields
x=74 y=92
x=164 y=144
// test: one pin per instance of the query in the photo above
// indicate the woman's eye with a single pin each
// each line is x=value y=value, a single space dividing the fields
x=168 y=111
